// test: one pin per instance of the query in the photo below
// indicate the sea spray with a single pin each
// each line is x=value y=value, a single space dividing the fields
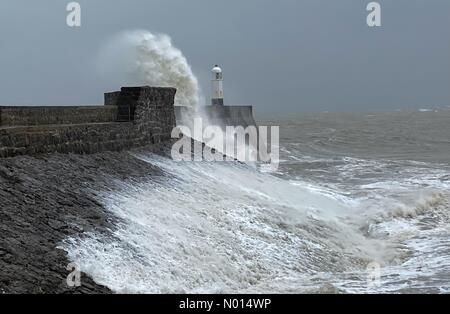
x=142 y=58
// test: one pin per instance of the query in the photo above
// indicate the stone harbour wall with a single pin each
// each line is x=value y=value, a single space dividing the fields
x=26 y=116
x=230 y=115
x=84 y=130
x=218 y=115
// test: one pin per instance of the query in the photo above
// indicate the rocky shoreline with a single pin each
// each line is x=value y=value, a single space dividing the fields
x=48 y=198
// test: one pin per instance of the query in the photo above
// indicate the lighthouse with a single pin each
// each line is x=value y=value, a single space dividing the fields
x=217 y=86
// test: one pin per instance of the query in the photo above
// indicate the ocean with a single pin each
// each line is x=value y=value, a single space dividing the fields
x=359 y=204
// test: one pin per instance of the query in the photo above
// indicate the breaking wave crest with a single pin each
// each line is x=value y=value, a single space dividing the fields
x=419 y=206
x=204 y=229
x=143 y=58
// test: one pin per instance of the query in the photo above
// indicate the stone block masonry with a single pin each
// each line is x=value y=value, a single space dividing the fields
x=135 y=116
x=27 y=116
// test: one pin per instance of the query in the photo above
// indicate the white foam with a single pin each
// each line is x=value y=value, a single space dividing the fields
x=219 y=228
x=142 y=58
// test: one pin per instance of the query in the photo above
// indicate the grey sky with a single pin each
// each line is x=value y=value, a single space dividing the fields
x=281 y=56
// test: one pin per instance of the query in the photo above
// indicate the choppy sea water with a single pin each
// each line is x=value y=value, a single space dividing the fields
x=360 y=203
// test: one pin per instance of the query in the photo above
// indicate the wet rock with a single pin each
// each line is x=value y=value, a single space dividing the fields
x=44 y=200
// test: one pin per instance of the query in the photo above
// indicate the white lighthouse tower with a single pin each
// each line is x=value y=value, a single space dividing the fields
x=217 y=86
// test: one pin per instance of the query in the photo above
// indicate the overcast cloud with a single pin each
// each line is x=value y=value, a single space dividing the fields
x=281 y=56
